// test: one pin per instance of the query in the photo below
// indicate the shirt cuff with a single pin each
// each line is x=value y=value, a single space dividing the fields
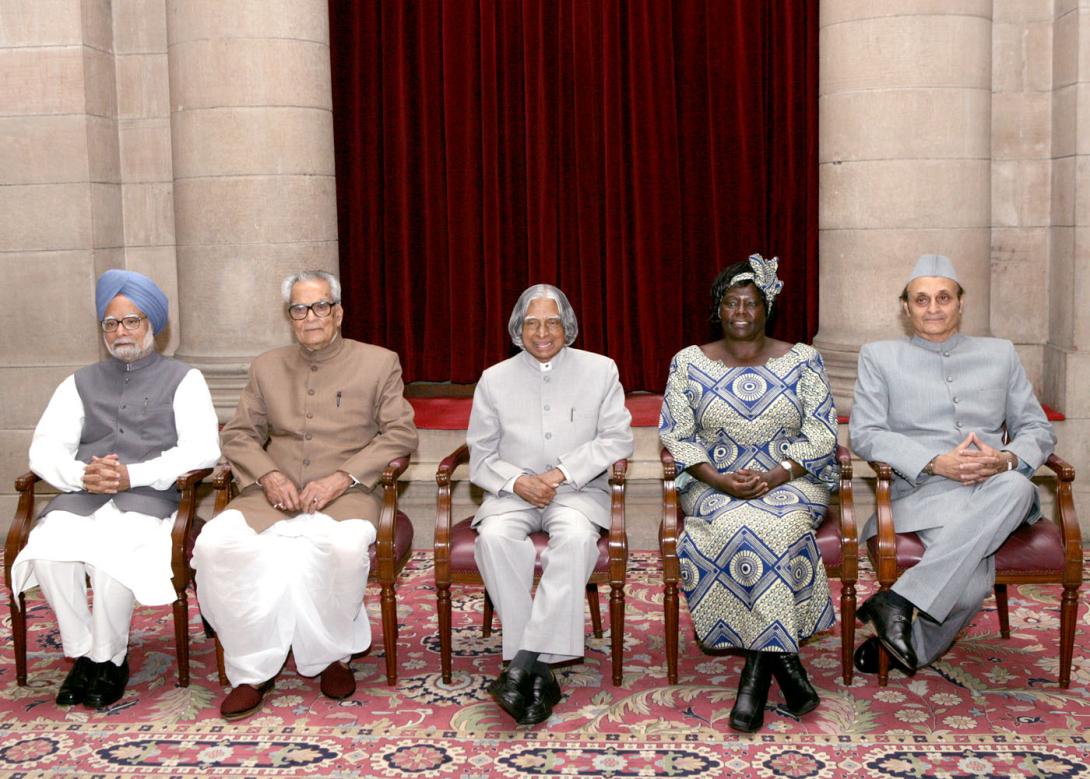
x=563 y=470
x=509 y=485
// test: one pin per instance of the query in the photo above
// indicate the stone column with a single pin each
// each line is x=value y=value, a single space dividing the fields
x=60 y=203
x=904 y=163
x=1067 y=354
x=254 y=194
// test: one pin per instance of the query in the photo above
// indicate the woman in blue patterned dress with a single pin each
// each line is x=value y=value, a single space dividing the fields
x=750 y=421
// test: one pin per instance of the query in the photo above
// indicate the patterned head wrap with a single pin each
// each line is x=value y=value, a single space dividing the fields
x=136 y=287
x=763 y=275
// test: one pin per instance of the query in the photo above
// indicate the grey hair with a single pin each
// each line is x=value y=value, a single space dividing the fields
x=549 y=292
x=311 y=275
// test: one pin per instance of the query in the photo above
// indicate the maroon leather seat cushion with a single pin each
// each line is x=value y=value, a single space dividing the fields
x=403 y=541
x=827 y=535
x=1031 y=548
x=463 y=538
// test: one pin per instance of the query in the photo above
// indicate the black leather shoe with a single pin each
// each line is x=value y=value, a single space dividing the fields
x=799 y=696
x=511 y=690
x=108 y=686
x=748 y=713
x=74 y=686
x=865 y=658
x=544 y=694
x=891 y=616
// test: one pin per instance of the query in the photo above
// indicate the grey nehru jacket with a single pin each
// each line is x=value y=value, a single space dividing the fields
x=128 y=411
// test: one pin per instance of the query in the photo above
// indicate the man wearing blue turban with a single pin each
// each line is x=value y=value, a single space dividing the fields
x=113 y=439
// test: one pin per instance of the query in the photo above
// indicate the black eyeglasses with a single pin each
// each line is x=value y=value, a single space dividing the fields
x=320 y=308
x=130 y=323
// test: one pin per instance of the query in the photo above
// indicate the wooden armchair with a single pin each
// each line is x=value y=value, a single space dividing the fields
x=454 y=562
x=1042 y=553
x=391 y=551
x=837 y=541
x=186 y=527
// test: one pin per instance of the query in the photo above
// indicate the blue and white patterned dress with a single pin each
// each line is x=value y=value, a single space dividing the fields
x=750 y=569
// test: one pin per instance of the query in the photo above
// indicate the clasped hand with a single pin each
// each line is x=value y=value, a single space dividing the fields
x=970 y=462
x=539 y=489
x=747 y=483
x=315 y=496
x=106 y=475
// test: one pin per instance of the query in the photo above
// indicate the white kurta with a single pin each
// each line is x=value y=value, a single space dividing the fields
x=128 y=546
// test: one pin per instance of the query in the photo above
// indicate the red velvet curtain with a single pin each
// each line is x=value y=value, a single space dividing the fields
x=623 y=150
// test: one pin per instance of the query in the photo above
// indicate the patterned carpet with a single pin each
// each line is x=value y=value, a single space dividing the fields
x=990 y=708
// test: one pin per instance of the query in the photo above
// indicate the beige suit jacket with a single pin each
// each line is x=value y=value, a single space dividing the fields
x=308 y=414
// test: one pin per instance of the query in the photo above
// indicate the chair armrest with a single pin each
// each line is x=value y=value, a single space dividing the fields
x=618 y=536
x=887 y=535
x=222 y=486
x=1067 y=519
x=21 y=523
x=385 y=551
x=668 y=532
x=183 y=524
x=849 y=533
x=443 y=522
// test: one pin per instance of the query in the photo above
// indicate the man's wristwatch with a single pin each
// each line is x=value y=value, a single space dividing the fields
x=929 y=469
x=786 y=465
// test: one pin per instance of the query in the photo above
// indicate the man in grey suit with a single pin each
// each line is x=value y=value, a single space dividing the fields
x=546 y=424
x=958 y=422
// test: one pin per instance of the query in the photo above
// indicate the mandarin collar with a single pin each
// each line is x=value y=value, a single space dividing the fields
x=948 y=345
x=138 y=365
x=538 y=366
x=324 y=354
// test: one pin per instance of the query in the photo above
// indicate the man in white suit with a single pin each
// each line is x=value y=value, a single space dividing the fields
x=958 y=422
x=545 y=427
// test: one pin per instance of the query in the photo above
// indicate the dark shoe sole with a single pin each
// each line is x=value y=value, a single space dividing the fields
x=514 y=711
x=865 y=617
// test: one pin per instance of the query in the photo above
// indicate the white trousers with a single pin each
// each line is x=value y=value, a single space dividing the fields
x=552 y=621
x=298 y=586
x=125 y=554
x=102 y=633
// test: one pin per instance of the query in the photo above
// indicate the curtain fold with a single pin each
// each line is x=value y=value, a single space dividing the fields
x=624 y=151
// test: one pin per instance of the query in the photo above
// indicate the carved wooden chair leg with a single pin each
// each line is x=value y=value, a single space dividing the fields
x=181 y=637
x=445 y=629
x=389 y=631
x=18 y=634
x=1002 y=611
x=595 y=609
x=489 y=610
x=616 y=630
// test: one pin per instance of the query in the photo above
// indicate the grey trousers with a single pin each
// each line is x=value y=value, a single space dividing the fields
x=957 y=570
x=550 y=622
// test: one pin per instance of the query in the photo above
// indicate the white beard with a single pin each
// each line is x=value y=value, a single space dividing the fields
x=133 y=352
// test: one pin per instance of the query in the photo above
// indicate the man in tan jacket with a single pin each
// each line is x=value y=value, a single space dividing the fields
x=284 y=567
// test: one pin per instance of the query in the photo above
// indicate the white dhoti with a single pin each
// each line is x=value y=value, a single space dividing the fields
x=125 y=554
x=552 y=621
x=298 y=586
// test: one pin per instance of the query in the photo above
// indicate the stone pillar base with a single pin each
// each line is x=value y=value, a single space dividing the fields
x=226 y=377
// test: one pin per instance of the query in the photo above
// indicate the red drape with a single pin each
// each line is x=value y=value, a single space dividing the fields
x=622 y=150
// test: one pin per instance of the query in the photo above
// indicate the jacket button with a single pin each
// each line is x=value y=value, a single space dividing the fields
x=310 y=392
x=311 y=416
x=313 y=368
x=308 y=436
x=306 y=461
x=949 y=379
x=546 y=407
x=548 y=435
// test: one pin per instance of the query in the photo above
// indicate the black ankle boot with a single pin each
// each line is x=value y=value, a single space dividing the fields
x=748 y=713
x=799 y=695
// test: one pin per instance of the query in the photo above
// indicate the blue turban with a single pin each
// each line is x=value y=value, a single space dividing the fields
x=136 y=287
